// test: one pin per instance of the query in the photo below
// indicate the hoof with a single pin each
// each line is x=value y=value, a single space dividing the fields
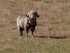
x=20 y=37
x=32 y=36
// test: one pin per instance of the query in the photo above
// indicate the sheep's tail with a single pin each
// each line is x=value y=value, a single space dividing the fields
x=18 y=19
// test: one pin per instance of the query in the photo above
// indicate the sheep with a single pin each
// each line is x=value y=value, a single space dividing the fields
x=27 y=22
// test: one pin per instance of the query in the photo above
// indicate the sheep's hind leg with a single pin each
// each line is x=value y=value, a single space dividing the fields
x=27 y=30
x=21 y=31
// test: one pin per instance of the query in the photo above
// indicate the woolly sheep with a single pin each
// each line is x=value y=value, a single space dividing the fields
x=27 y=22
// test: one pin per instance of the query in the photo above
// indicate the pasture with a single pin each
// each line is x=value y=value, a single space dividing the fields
x=52 y=34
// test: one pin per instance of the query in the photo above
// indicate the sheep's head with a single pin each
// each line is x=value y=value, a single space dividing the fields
x=32 y=14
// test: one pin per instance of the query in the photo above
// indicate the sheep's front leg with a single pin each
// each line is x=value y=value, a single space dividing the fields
x=32 y=31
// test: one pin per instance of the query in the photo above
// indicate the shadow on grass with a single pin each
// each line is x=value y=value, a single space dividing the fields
x=54 y=37
x=40 y=36
x=58 y=37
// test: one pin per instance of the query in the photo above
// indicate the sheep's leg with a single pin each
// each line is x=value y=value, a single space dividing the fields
x=32 y=30
x=27 y=30
x=21 y=31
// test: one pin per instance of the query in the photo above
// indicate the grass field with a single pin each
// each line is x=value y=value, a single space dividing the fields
x=52 y=34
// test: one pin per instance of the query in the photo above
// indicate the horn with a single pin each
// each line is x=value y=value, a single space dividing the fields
x=36 y=14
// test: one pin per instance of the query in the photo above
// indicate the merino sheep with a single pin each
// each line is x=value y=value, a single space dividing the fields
x=27 y=22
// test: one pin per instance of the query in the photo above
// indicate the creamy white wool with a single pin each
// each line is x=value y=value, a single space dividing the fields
x=22 y=21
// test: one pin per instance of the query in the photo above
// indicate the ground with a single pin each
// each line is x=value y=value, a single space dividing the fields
x=52 y=34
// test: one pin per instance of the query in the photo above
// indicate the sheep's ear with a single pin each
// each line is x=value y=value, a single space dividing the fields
x=27 y=15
